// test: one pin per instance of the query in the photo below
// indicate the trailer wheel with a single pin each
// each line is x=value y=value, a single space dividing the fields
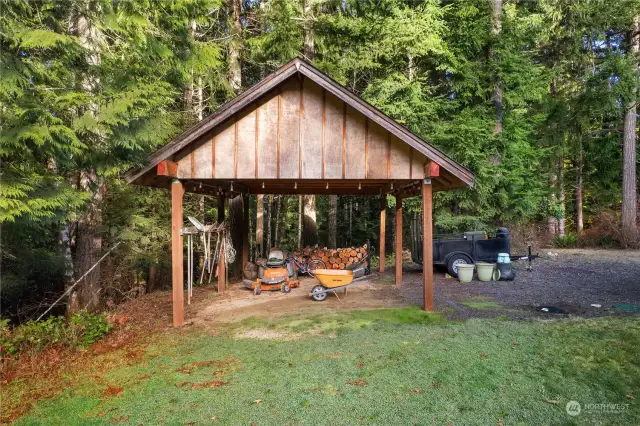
x=286 y=288
x=455 y=260
x=257 y=290
x=317 y=295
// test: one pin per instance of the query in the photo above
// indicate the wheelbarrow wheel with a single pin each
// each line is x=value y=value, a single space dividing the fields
x=257 y=290
x=286 y=288
x=318 y=293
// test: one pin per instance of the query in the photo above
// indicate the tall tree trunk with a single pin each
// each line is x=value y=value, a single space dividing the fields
x=86 y=295
x=194 y=102
x=344 y=230
x=351 y=221
x=235 y=45
x=496 y=28
x=410 y=68
x=300 y=220
x=199 y=107
x=64 y=236
x=188 y=100
x=276 y=238
x=260 y=225
x=283 y=224
x=561 y=197
x=235 y=81
x=629 y=180
x=269 y=202
x=237 y=228
x=579 y=167
x=332 y=222
x=310 y=231
x=190 y=90
x=309 y=33
x=552 y=220
x=88 y=246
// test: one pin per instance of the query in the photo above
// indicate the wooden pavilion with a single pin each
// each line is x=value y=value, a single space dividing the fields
x=299 y=132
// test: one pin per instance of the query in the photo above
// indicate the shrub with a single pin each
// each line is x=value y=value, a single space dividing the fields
x=89 y=327
x=567 y=241
x=83 y=329
x=605 y=230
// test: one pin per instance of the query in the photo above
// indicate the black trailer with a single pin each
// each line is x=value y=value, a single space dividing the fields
x=467 y=248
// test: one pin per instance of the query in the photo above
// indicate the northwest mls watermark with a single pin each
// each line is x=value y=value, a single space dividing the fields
x=574 y=408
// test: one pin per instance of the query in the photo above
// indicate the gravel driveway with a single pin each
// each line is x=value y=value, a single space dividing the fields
x=571 y=280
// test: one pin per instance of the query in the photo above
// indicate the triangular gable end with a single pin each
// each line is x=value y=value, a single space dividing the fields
x=299 y=124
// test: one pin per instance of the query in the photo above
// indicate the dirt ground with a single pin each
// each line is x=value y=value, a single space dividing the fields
x=571 y=280
x=239 y=303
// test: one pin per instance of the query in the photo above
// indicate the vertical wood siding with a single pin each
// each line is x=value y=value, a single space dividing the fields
x=300 y=131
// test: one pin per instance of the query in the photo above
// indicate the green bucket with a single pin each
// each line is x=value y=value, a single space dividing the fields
x=485 y=270
x=465 y=272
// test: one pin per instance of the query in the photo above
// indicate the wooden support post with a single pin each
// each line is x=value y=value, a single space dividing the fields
x=222 y=266
x=177 y=254
x=427 y=245
x=245 y=230
x=260 y=225
x=383 y=229
x=398 y=239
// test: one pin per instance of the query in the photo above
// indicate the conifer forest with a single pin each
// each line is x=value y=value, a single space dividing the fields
x=538 y=99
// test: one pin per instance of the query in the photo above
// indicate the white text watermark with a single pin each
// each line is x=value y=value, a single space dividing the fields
x=574 y=408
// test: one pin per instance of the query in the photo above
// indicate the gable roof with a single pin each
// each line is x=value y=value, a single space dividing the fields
x=272 y=81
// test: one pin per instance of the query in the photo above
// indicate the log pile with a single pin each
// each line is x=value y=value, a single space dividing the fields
x=338 y=258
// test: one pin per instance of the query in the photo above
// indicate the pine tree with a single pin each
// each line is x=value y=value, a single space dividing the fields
x=629 y=181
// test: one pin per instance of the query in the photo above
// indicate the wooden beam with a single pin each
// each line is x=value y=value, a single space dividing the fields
x=245 y=230
x=177 y=255
x=193 y=163
x=324 y=119
x=398 y=239
x=278 y=134
x=167 y=168
x=300 y=124
x=344 y=140
x=213 y=157
x=257 y=136
x=389 y=155
x=383 y=229
x=410 y=162
x=366 y=148
x=427 y=245
x=431 y=169
x=235 y=148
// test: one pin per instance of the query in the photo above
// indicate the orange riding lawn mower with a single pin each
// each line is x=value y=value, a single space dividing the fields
x=275 y=273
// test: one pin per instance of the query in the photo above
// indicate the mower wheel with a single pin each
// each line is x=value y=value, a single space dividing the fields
x=318 y=293
x=257 y=290
x=286 y=288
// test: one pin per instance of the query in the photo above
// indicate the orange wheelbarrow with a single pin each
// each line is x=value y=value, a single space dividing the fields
x=330 y=280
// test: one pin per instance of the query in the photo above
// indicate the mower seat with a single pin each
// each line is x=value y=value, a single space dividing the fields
x=275 y=259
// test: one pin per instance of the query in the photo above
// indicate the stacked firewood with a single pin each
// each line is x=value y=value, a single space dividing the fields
x=338 y=258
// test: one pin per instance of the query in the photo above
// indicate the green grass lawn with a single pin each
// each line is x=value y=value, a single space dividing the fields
x=367 y=367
